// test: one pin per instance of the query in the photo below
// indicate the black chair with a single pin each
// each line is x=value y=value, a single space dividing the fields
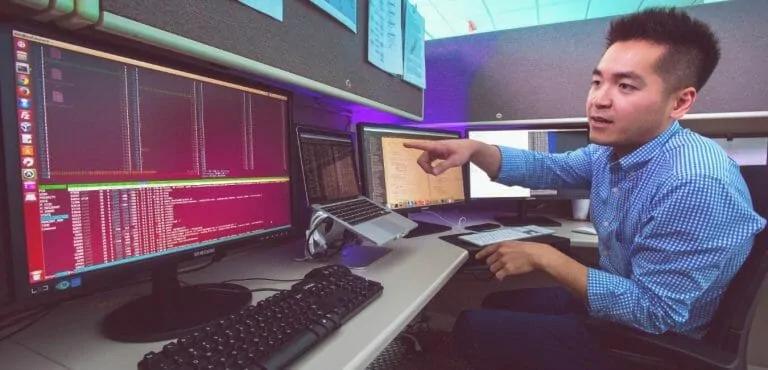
x=724 y=346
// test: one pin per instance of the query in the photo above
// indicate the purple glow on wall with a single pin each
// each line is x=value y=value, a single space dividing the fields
x=451 y=67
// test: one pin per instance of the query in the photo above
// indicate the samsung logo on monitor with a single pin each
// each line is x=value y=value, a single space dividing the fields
x=204 y=252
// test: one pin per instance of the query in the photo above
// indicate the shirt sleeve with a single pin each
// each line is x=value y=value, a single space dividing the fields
x=544 y=170
x=696 y=230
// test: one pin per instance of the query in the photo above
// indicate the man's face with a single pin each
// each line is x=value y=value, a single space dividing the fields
x=627 y=105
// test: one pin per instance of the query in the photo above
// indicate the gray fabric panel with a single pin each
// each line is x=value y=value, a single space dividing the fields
x=308 y=42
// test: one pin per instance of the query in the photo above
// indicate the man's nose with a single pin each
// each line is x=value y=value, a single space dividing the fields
x=601 y=98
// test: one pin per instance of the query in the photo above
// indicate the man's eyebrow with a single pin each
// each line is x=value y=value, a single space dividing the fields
x=621 y=75
x=629 y=75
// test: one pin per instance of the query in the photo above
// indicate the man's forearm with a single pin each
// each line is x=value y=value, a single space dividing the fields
x=487 y=157
x=567 y=271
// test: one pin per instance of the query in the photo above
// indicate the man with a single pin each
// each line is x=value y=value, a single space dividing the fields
x=672 y=212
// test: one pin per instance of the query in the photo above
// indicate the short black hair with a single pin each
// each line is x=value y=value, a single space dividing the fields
x=692 y=50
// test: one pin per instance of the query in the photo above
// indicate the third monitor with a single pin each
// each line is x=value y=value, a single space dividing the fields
x=544 y=139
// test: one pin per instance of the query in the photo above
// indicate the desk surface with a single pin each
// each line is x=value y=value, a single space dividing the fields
x=412 y=273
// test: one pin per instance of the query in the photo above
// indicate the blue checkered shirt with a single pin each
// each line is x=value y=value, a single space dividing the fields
x=674 y=221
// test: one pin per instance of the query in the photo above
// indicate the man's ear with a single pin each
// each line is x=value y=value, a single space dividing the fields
x=683 y=102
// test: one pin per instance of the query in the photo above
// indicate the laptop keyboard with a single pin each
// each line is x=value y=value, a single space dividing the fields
x=356 y=211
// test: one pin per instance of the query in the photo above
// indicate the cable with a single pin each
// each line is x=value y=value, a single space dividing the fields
x=19 y=313
x=261 y=278
x=462 y=219
x=14 y=320
x=269 y=290
x=214 y=259
x=311 y=235
x=28 y=324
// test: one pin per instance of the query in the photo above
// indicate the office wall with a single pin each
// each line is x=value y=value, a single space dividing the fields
x=544 y=71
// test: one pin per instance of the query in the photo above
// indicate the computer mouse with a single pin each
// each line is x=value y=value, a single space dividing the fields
x=585 y=230
x=326 y=271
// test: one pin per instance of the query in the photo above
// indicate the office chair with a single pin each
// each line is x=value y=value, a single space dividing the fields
x=724 y=346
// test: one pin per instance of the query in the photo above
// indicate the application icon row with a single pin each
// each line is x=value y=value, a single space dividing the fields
x=25 y=118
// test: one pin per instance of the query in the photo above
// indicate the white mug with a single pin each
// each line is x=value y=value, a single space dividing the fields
x=580 y=208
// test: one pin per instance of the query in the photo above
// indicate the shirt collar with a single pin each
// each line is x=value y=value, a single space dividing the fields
x=647 y=151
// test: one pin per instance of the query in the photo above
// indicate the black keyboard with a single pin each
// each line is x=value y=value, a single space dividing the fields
x=356 y=211
x=275 y=331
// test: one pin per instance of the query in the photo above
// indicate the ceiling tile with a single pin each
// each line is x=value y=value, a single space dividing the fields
x=516 y=19
x=605 y=8
x=664 y=3
x=562 y=11
x=503 y=6
x=447 y=18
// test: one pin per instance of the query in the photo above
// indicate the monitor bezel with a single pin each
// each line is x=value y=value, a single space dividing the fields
x=522 y=127
x=109 y=276
x=363 y=173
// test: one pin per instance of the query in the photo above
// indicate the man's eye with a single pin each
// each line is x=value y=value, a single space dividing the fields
x=625 y=86
x=595 y=83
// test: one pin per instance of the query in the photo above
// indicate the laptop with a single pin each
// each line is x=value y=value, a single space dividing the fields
x=332 y=186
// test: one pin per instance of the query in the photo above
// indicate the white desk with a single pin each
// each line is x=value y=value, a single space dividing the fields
x=411 y=274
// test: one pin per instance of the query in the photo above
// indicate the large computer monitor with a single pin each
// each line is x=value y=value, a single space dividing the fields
x=115 y=162
x=552 y=139
x=392 y=177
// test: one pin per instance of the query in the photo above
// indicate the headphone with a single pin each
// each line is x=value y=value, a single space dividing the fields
x=324 y=236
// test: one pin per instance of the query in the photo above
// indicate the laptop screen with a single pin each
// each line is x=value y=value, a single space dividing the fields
x=328 y=166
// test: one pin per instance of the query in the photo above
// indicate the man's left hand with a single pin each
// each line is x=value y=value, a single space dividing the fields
x=513 y=257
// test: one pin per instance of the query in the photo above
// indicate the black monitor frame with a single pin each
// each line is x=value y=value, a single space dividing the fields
x=424 y=228
x=107 y=277
x=522 y=217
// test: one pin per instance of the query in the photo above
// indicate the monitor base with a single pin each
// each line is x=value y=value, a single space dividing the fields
x=171 y=311
x=426 y=228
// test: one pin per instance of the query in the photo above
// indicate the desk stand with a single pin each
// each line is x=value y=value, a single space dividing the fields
x=357 y=256
x=324 y=236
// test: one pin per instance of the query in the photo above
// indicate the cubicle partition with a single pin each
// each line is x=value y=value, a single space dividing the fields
x=308 y=48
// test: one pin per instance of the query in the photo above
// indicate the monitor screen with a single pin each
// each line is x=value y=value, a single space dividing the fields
x=328 y=165
x=391 y=175
x=116 y=160
x=554 y=140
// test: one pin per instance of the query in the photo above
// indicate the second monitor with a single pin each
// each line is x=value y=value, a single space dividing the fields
x=392 y=177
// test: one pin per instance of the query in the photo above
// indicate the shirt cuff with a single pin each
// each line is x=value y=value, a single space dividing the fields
x=604 y=292
x=513 y=165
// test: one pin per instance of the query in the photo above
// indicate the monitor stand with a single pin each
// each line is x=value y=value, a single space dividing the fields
x=172 y=311
x=426 y=228
x=522 y=218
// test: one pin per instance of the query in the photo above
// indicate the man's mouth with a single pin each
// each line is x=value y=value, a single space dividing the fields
x=600 y=120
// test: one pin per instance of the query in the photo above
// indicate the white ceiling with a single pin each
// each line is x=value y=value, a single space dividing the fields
x=447 y=18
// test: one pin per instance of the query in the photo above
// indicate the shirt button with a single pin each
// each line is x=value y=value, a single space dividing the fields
x=605 y=223
x=615 y=190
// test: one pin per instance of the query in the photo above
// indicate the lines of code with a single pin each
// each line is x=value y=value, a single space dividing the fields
x=136 y=160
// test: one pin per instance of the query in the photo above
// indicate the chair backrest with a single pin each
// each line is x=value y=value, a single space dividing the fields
x=729 y=329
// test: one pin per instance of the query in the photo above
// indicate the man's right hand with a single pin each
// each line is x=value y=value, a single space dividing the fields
x=447 y=153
